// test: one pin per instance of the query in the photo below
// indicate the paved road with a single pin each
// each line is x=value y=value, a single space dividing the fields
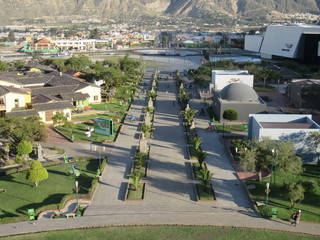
x=170 y=196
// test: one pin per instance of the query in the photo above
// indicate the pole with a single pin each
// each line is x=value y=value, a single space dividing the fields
x=77 y=189
x=267 y=192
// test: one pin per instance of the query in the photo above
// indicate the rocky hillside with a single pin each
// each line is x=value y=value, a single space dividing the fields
x=123 y=9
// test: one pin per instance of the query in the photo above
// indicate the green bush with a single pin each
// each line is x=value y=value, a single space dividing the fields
x=18 y=160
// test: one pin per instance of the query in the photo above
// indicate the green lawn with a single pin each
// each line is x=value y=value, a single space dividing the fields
x=205 y=192
x=79 y=129
x=166 y=232
x=113 y=105
x=232 y=128
x=136 y=194
x=309 y=206
x=21 y=194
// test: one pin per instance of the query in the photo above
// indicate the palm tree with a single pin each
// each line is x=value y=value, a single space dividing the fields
x=140 y=158
x=189 y=115
x=201 y=157
x=146 y=129
x=197 y=142
x=148 y=109
x=153 y=95
x=135 y=179
x=205 y=176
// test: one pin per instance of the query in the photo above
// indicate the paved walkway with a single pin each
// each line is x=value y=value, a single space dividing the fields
x=170 y=195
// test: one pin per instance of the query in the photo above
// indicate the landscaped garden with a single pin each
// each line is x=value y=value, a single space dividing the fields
x=278 y=199
x=21 y=194
x=232 y=127
x=166 y=232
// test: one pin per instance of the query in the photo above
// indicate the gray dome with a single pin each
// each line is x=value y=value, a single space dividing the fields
x=239 y=92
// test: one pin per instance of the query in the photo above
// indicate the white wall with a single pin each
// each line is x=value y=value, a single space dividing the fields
x=253 y=42
x=92 y=91
x=220 y=79
x=10 y=103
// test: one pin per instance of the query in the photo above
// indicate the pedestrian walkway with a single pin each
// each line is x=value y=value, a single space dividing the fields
x=170 y=195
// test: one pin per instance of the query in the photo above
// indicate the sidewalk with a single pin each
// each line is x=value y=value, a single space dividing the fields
x=170 y=196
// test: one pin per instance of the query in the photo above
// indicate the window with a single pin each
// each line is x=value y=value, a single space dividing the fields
x=1 y=101
x=95 y=98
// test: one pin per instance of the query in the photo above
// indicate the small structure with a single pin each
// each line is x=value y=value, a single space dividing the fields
x=238 y=96
x=150 y=103
x=284 y=127
x=103 y=126
x=147 y=120
x=143 y=146
x=304 y=93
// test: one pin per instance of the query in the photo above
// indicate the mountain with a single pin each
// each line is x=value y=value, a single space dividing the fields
x=128 y=9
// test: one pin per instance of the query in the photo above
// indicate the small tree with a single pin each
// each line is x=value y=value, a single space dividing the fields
x=230 y=114
x=153 y=95
x=313 y=141
x=36 y=173
x=140 y=158
x=201 y=157
x=24 y=148
x=135 y=179
x=197 y=142
x=295 y=192
x=146 y=129
x=189 y=114
x=59 y=117
x=205 y=176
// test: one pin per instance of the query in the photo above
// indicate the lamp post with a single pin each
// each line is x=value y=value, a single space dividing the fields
x=236 y=149
x=77 y=190
x=273 y=166
x=267 y=192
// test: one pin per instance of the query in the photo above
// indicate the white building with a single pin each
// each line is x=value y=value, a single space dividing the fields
x=82 y=44
x=287 y=41
x=284 y=127
x=222 y=78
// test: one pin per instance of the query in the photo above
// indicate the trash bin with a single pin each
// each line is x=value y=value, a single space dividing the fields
x=274 y=212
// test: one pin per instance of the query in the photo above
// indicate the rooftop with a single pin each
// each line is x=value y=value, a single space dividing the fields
x=288 y=125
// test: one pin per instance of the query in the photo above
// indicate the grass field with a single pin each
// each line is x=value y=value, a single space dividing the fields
x=232 y=128
x=309 y=206
x=21 y=194
x=78 y=130
x=166 y=232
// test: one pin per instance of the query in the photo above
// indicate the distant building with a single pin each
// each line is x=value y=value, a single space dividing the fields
x=301 y=42
x=284 y=127
x=304 y=93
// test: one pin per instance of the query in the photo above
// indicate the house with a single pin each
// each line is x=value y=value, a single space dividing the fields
x=304 y=93
x=284 y=127
x=12 y=98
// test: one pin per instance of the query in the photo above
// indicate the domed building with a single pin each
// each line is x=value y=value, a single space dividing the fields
x=238 y=96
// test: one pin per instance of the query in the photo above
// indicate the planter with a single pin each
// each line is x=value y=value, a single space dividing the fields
x=205 y=193
x=186 y=127
x=192 y=152
x=196 y=170
x=143 y=169
x=135 y=195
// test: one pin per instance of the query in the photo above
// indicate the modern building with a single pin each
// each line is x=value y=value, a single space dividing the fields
x=222 y=78
x=304 y=93
x=284 y=127
x=294 y=41
x=238 y=96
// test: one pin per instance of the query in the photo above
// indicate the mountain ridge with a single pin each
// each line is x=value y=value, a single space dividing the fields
x=128 y=9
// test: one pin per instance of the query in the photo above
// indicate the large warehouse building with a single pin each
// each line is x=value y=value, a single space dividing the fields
x=300 y=42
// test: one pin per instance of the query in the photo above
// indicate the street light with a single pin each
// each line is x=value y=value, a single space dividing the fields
x=273 y=166
x=77 y=190
x=267 y=192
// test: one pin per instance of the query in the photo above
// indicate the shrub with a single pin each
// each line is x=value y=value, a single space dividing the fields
x=230 y=114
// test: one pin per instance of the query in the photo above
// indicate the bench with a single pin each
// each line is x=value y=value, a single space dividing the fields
x=71 y=215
